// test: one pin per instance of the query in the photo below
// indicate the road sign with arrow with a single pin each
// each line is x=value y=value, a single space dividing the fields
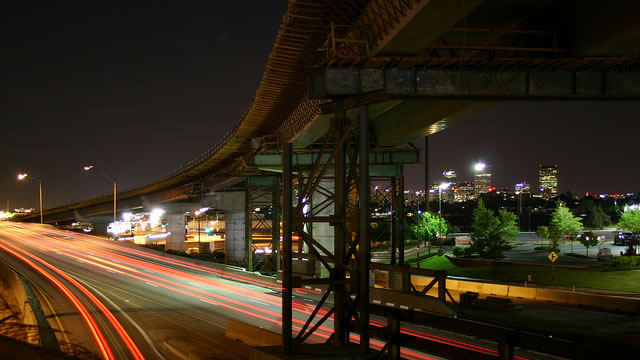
x=553 y=257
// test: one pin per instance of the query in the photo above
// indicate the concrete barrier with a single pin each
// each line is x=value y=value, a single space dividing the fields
x=381 y=279
x=464 y=286
x=582 y=299
x=452 y=285
x=495 y=289
x=15 y=297
x=252 y=335
x=549 y=295
x=521 y=292
x=616 y=303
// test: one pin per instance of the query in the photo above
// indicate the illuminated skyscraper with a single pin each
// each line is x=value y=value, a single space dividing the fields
x=481 y=179
x=548 y=177
x=450 y=176
x=523 y=188
x=464 y=191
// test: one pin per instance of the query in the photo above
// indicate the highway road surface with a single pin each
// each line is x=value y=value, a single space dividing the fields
x=116 y=301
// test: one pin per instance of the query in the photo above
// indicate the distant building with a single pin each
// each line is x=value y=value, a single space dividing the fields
x=464 y=191
x=450 y=176
x=523 y=188
x=481 y=179
x=548 y=177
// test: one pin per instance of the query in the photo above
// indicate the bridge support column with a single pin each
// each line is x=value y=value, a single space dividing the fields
x=175 y=225
x=233 y=203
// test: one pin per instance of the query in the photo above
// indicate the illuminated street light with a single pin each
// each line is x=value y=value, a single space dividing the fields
x=443 y=186
x=24 y=176
x=115 y=189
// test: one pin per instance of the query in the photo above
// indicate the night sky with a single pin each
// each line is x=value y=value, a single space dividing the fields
x=138 y=90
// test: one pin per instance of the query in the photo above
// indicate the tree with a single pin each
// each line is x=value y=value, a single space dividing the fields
x=630 y=220
x=491 y=234
x=429 y=226
x=596 y=218
x=564 y=223
x=543 y=233
x=588 y=239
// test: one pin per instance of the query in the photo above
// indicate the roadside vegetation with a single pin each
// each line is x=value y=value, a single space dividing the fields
x=622 y=280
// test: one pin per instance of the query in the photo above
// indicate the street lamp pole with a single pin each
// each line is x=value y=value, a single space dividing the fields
x=115 y=189
x=24 y=176
x=443 y=186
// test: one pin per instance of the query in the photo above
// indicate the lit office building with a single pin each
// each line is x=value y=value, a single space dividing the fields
x=450 y=176
x=548 y=177
x=463 y=191
x=481 y=179
x=523 y=188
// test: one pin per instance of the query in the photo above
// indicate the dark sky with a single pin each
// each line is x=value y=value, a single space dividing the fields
x=138 y=88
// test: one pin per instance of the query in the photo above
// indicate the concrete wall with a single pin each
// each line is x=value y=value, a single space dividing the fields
x=15 y=298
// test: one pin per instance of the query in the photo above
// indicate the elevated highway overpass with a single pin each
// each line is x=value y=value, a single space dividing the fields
x=422 y=65
x=347 y=85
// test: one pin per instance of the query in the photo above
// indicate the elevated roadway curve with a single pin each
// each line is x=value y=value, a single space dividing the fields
x=484 y=35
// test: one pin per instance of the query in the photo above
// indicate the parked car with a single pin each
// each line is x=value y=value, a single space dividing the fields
x=626 y=238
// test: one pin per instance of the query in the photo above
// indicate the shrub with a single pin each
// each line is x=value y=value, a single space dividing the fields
x=467 y=251
x=458 y=251
x=623 y=263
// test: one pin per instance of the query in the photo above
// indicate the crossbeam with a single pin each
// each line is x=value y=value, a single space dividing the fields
x=402 y=83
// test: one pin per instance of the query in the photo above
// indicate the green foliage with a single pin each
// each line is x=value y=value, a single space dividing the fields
x=596 y=218
x=623 y=263
x=630 y=220
x=588 y=239
x=429 y=226
x=491 y=234
x=563 y=222
x=543 y=232
x=458 y=250
x=546 y=249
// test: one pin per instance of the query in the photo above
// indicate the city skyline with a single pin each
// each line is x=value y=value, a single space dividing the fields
x=592 y=153
x=154 y=111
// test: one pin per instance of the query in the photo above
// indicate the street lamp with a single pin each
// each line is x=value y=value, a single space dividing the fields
x=443 y=186
x=115 y=188
x=24 y=176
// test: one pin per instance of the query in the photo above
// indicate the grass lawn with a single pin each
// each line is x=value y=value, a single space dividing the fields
x=626 y=280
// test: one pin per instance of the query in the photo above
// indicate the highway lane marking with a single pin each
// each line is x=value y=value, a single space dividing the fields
x=110 y=271
x=80 y=261
x=376 y=301
x=207 y=301
x=123 y=313
x=149 y=300
x=404 y=307
x=259 y=302
x=391 y=304
x=148 y=283
x=194 y=284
